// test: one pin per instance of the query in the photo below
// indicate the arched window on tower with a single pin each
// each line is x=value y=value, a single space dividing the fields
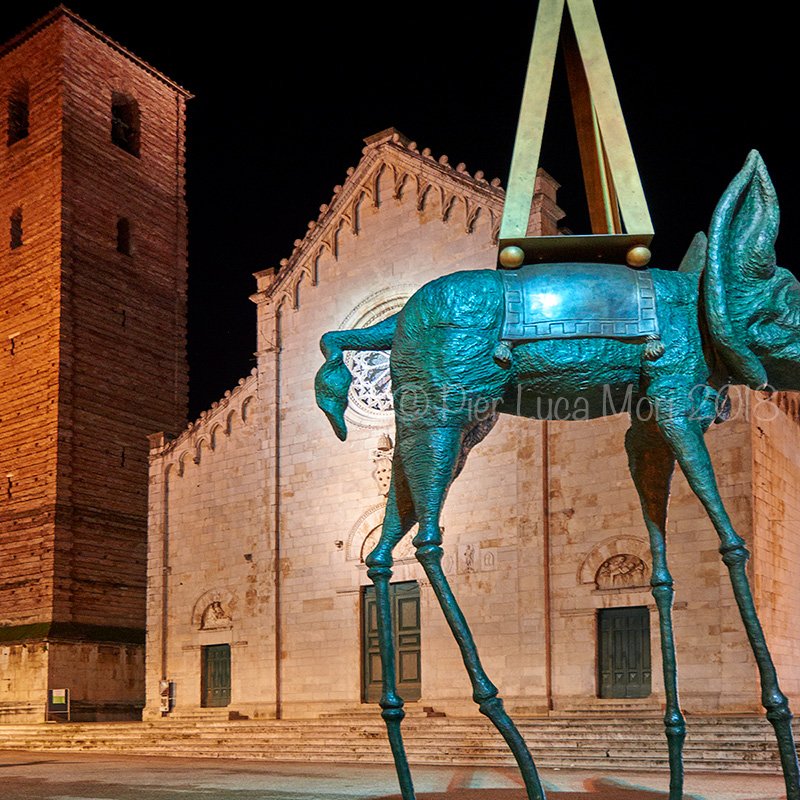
x=124 y=236
x=125 y=122
x=18 y=112
x=16 y=228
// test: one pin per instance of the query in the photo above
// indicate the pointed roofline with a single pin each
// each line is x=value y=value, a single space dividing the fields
x=162 y=444
x=62 y=11
x=376 y=145
x=391 y=147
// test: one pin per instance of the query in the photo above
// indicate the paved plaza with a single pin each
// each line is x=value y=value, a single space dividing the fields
x=83 y=776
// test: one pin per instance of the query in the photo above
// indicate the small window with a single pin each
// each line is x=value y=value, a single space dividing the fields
x=18 y=112
x=124 y=236
x=16 y=228
x=125 y=122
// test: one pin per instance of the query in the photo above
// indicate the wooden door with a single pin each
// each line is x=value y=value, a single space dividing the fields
x=404 y=599
x=624 y=652
x=216 y=676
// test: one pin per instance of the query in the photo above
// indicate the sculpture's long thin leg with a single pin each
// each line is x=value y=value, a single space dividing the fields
x=685 y=437
x=431 y=459
x=397 y=521
x=652 y=464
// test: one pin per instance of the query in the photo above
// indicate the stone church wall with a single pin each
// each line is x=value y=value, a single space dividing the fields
x=210 y=557
x=329 y=495
x=776 y=513
x=596 y=516
x=542 y=532
x=23 y=688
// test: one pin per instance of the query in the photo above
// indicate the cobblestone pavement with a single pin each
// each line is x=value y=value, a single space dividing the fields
x=85 y=776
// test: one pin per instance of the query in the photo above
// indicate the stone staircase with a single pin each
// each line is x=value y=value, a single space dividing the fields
x=369 y=713
x=744 y=744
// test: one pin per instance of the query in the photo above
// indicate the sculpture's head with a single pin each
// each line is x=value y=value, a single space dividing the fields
x=752 y=305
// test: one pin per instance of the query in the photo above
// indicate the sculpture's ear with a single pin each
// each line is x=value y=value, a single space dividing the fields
x=745 y=223
x=695 y=258
x=741 y=254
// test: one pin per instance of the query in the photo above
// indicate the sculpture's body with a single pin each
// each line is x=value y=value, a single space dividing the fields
x=728 y=316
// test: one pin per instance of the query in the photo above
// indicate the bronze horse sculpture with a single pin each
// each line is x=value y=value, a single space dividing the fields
x=727 y=316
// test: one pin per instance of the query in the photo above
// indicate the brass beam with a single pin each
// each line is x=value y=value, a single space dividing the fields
x=600 y=195
x=605 y=99
x=535 y=98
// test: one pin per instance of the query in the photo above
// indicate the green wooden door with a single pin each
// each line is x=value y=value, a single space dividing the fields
x=216 y=676
x=404 y=598
x=624 y=652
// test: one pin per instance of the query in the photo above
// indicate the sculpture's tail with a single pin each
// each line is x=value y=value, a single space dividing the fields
x=333 y=379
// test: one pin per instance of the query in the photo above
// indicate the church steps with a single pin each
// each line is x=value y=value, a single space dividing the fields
x=419 y=731
x=470 y=736
x=745 y=743
x=480 y=741
x=365 y=712
x=375 y=722
x=748 y=731
x=748 y=726
x=477 y=738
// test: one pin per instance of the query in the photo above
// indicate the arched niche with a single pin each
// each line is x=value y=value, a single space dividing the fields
x=607 y=555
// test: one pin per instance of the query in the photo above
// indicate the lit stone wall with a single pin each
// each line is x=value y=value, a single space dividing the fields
x=542 y=530
x=776 y=514
x=209 y=557
x=23 y=688
x=595 y=515
x=104 y=680
x=92 y=360
x=327 y=494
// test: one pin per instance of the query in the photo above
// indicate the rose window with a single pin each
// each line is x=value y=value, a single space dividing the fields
x=372 y=384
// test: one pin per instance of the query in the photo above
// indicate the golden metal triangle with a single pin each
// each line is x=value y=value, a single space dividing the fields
x=613 y=187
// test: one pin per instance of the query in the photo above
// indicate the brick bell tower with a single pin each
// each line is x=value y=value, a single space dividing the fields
x=92 y=357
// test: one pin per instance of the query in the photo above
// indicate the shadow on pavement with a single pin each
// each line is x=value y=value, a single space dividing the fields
x=593 y=789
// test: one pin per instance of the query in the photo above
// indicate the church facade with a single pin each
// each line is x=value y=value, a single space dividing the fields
x=259 y=518
x=247 y=562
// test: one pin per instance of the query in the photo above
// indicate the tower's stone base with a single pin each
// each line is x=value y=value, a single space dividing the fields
x=105 y=680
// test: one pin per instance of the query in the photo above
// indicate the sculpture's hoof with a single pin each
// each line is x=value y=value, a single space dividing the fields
x=502 y=354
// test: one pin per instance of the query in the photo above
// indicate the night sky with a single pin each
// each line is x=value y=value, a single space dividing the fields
x=281 y=109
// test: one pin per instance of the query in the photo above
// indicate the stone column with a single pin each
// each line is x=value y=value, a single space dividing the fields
x=156 y=661
x=268 y=357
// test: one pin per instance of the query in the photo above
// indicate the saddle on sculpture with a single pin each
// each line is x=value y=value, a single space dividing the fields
x=569 y=301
